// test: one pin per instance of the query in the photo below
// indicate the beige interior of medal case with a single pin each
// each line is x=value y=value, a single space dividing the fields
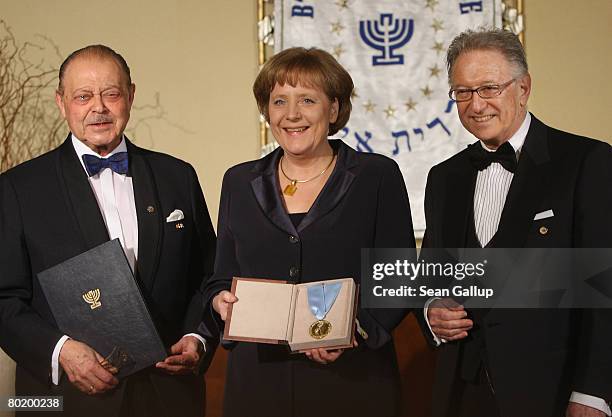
x=270 y=312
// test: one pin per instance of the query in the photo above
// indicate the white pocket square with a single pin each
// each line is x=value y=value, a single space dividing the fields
x=544 y=215
x=175 y=216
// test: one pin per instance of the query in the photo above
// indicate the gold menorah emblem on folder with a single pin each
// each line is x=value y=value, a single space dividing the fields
x=93 y=297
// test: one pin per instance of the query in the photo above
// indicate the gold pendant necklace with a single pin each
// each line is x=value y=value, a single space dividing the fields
x=291 y=188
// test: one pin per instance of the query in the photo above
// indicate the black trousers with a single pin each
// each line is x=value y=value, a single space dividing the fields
x=474 y=399
x=141 y=398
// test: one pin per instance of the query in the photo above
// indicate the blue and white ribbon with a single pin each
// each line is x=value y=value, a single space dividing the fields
x=321 y=298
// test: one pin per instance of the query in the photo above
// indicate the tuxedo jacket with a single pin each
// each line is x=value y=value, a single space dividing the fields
x=536 y=358
x=49 y=214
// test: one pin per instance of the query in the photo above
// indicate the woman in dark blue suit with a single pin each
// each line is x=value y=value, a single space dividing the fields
x=302 y=214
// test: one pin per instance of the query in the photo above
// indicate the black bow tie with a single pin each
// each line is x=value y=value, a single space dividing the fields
x=481 y=158
x=117 y=162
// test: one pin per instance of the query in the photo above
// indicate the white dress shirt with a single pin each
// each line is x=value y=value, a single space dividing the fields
x=492 y=186
x=115 y=196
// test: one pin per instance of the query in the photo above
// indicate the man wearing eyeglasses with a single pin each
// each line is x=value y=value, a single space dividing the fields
x=94 y=187
x=522 y=184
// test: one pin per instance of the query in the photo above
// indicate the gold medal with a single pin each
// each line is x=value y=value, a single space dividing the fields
x=319 y=329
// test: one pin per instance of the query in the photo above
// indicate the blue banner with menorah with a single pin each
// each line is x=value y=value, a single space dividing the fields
x=395 y=52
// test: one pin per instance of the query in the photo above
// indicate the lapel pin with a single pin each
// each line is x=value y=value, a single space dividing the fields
x=543 y=230
x=179 y=225
x=151 y=209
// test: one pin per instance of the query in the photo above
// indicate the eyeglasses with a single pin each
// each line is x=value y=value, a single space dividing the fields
x=485 y=91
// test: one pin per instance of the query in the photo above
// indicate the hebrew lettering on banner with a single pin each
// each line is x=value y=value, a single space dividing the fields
x=395 y=52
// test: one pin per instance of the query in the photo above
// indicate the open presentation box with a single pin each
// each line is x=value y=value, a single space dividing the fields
x=271 y=311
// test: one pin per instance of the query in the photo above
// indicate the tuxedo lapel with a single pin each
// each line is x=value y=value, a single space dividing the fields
x=529 y=184
x=337 y=185
x=459 y=206
x=81 y=198
x=526 y=190
x=148 y=212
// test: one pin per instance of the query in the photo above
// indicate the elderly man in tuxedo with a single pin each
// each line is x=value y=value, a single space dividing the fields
x=94 y=187
x=516 y=363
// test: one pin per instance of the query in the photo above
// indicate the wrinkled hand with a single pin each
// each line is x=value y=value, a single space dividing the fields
x=448 y=319
x=184 y=357
x=83 y=367
x=325 y=356
x=222 y=301
x=579 y=410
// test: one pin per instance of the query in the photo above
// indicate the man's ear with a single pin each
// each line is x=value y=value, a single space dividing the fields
x=132 y=90
x=524 y=84
x=59 y=100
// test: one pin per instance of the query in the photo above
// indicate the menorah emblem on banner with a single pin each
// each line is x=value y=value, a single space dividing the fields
x=386 y=35
x=92 y=297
